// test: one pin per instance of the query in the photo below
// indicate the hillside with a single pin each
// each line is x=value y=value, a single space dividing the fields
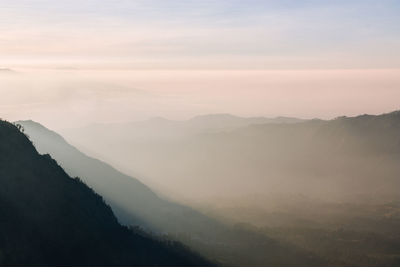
x=50 y=219
x=135 y=204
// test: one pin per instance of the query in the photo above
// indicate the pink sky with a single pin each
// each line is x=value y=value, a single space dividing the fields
x=72 y=98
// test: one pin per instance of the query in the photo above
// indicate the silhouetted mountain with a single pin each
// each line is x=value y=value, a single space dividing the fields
x=50 y=219
x=136 y=204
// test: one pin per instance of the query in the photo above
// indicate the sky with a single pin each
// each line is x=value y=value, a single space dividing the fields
x=64 y=98
x=79 y=62
x=223 y=34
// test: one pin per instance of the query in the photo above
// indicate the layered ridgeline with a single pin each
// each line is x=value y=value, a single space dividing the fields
x=335 y=159
x=135 y=204
x=136 y=147
x=50 y=219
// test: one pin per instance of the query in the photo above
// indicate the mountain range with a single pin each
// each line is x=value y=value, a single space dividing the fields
x=330 y=159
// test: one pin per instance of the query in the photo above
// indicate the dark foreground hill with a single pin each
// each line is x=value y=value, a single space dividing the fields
x=50 y=219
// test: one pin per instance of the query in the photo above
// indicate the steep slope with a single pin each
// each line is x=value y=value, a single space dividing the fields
x=132 y=201
x=136 y=204
x=50 y=219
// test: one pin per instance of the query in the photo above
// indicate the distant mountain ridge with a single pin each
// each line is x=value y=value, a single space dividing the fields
x=202 y=122
x=227 y=120
x=257 y=157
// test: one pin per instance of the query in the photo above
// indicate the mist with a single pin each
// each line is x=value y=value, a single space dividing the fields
x=70 y=98
x=220 y=156
x=221 y=183
x=199 y=133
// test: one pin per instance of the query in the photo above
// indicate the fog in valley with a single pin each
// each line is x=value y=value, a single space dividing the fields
x=177 y=133
x=225 y=160
x=224 y=156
